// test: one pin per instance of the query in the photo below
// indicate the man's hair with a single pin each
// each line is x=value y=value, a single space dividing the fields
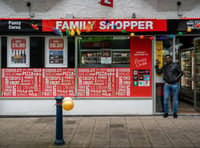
x=168 y=55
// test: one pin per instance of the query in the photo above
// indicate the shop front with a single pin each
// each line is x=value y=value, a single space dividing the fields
x=105 y=65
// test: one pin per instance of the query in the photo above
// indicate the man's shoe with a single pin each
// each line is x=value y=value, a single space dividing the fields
x=175 y=115
x=165 y=115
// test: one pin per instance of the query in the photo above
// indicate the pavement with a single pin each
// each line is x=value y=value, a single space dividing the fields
x=101 y=132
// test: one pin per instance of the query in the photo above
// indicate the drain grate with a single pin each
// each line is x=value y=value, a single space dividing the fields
x=45 y=120
x=117 y=125
x=70 y=122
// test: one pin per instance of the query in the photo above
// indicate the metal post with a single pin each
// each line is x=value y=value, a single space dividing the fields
x=76 y=67
x=59 y=121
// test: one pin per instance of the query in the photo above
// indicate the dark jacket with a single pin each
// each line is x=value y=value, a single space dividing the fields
x=172 y=73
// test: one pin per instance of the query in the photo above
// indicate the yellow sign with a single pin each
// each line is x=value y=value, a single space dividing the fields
x=159 y=52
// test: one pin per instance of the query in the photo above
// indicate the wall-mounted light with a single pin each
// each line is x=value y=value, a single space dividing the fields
x=178 y=3
x=133 y=15
x=31 y=14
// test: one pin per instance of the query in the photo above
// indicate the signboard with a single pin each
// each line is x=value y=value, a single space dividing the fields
x=159 y=52
x=51 y=82
x=55 y=51
x=24 y=25
x=108 y=3
x=18 y=82
x=19 y=25
x=141 y=67
x=104 y=25
x=18 y=51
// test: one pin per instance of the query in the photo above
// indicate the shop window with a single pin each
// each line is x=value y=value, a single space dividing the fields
x=22 y=52
x=3 y=52
x=33 y=54
x=104 y=52
x=36 y=52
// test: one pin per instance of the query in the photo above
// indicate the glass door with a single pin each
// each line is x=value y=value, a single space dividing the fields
x=197 y=74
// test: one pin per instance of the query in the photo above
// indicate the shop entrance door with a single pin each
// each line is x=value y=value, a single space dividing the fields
x=196 y=77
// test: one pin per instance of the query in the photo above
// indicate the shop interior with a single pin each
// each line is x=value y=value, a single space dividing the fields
x=102 y=52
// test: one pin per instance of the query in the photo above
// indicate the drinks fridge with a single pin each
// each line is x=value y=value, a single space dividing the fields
x=190 y=81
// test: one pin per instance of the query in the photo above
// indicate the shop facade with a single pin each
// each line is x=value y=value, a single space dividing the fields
x=105 y=65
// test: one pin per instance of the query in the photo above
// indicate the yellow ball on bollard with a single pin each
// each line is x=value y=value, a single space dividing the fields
x=68 y=104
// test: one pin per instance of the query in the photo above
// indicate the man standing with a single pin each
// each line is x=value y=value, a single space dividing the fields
x=172 y=74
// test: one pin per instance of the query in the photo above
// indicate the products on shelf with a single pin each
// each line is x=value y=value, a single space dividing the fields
x=94 y=56
x=18 y=56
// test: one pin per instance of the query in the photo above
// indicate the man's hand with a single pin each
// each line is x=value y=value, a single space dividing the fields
x=157 y=62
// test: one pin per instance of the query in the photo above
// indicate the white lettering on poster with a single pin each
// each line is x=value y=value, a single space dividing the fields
x=140 y=62
x=14 y=25
x=107 y=2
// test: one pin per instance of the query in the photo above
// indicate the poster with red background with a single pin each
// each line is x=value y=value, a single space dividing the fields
x=60 y=81
x=105 y=25
x=51 y=82
x=141 y=67
x=108 y=3
x=19 y=82
x=18 y=44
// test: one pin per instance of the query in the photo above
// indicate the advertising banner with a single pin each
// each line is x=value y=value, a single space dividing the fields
x=123 y=82
x=55 y=51
x=104 y=82
x=159 y=52
x=96 y=82
x=141 y=67
x=18 y=51
x=108 y=3
x=51 y=82
x=19 y=25
x=58 y=82
x=18 y=82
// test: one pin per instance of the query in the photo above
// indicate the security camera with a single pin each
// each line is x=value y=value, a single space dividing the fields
x=178 y=3
x=28 y=4
x=133 y=15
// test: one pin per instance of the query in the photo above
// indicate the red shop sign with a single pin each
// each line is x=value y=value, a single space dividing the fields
x=107 y=25
x=108 y=3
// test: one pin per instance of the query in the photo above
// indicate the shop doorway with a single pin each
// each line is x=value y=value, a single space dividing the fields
x=186 y=53
x=189 y=57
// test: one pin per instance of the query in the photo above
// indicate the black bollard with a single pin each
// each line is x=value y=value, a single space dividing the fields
x=59 y=121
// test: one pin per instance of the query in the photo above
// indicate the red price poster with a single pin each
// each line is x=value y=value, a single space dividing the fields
x=96 y=82
x=123 y=81
x=18 y=49
x=20 y=82
x=58 y=82
x=55 y=51
x=141 y=67
x=18 y=44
